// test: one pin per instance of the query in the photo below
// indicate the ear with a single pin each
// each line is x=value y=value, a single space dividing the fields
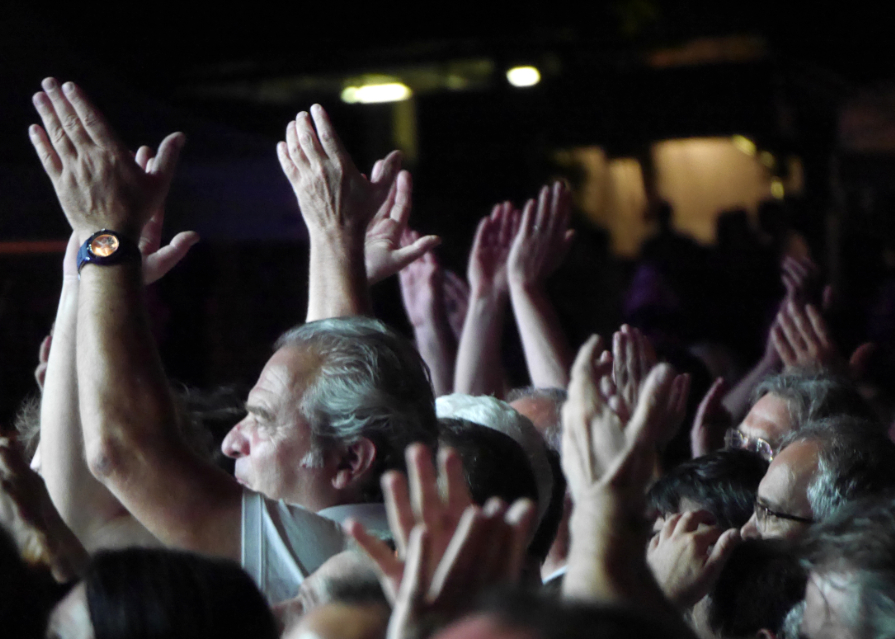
x=355 y=463
x=765 y=634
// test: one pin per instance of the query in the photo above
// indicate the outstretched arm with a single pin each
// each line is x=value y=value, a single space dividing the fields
x=337 y=204
x=87 y=507
x=479 y=370
x=131 y=440
x=538 y=249
x=607 y=562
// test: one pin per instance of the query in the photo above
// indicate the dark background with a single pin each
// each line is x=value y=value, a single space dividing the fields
x=218 y=313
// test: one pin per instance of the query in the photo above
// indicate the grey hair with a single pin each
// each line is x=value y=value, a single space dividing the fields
x=855 y=459
x=557 y=397
x=792 y=623
x=369 y=383
x=857 y=548
x=810 y=395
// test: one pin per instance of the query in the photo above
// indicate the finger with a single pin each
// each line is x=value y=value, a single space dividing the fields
x=783 y=346
x=298 y=157
x=151 y=236
x=377 y=550
x=45 y=151
x=168 y=256
x=398 y=508
x=386 y=209
x=53 y=126
x=286 y=163
x=481 y=234
x=669 y=526
x=92 y=120
x=457 y=496
x=413 y=582
x=458 y=564
x=377 y=169
x=521 y=518
x=403 y=187
x=692 y=519
x=543 y=216
x=559 y=205
x=144 y=154
x=408 y=254
x=424 y=495
x=681 y=394
x=330 y=143
x=66 y=113
x=647 y=424
x=527 y=221
x=165 y=161
x=787 y=324
x=818 y=324
x=308 y=141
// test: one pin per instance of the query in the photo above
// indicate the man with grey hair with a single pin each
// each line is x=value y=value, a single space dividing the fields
x=820 y=468
x=782 y=403
x=333 y=407
x=851 y=579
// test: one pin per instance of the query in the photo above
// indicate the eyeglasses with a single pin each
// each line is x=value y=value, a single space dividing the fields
x=763 y=515
x=736 y=440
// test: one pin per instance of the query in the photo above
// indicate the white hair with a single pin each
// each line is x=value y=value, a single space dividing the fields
x=493 y=413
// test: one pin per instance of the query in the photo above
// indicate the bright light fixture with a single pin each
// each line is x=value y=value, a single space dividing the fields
x=523 y=76
x=372 y=93
x=744 y=144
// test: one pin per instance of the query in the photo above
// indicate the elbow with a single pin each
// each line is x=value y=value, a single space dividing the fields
x=104 y=459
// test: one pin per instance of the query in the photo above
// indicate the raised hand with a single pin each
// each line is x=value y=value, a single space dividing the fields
x=543 y=238
x=386 y=247
x=711 y=422
x=490 y=250
x=608 y=526
x=487 y=549
x=633 y=357
x=802 y=339
x=687 y=556
x=158 y=260
x=98 y=182
x=332 y=194
x=447 y=547
x=422 y=283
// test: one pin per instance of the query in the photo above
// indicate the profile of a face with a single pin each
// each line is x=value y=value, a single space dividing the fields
x=782 y=508
x=766 y=424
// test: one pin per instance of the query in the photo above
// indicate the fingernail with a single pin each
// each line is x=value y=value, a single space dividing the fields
x=68 y=87
x=49 y=84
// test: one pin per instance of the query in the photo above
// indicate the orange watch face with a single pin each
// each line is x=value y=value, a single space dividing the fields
x=104 y=245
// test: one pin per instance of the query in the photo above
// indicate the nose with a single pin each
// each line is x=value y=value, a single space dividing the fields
x=750 y=529
x=236 y=444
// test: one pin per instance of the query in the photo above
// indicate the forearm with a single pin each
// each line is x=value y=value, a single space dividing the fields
x=547 y=352
x=82 y=502
x=131 y=437
x=478 y=369
x=435 y=343
x=337 y=274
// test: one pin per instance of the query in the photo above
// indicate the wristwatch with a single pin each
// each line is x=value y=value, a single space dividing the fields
x=106 y=248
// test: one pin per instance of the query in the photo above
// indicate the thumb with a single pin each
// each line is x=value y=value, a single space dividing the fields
x=163 y=260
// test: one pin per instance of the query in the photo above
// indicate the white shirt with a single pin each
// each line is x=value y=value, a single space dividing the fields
x=284 y=543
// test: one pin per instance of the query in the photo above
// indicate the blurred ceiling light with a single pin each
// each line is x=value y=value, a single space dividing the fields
x=767 y=158
x=372 y=93
x=777 y=190
x=523 y=76
x=744 y=144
